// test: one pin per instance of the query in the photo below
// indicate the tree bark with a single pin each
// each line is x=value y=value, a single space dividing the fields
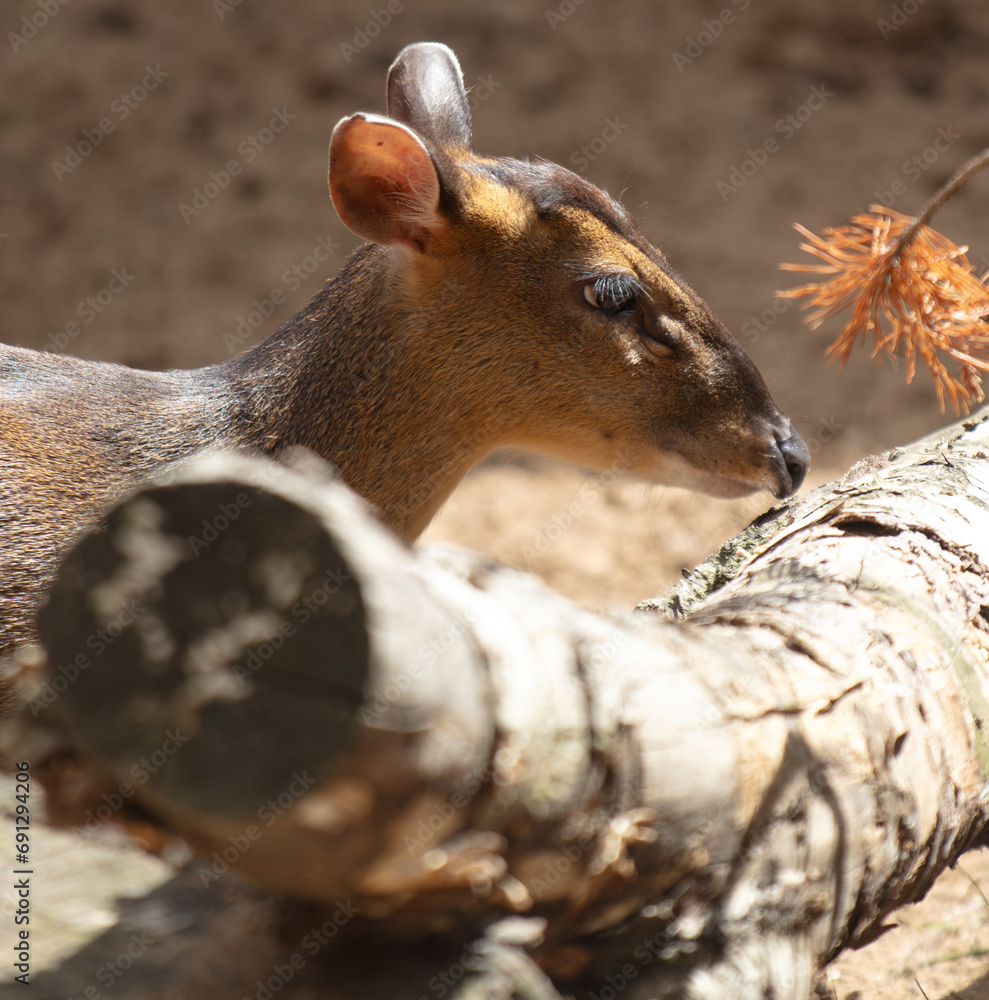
x=441 y=748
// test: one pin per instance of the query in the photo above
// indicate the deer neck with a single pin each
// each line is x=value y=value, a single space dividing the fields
x=363 y=380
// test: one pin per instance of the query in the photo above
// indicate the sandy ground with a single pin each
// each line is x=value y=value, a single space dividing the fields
x=741 y=118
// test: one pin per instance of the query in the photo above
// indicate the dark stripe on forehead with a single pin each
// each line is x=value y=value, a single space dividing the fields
x=552 y=187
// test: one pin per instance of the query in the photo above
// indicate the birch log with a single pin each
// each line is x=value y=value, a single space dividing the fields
x=710 y=806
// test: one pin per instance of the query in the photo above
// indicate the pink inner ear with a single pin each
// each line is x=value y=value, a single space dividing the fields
x=383 y=182
x=407 y=176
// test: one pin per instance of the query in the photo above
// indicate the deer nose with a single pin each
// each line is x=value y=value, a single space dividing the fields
x=791 y=459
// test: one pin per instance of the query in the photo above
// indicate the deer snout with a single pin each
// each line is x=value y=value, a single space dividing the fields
x=790 y=458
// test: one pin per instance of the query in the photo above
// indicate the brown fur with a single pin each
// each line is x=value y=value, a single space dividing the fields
x=469 y=332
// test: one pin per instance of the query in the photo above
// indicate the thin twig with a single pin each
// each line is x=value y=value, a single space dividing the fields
x=955 y=184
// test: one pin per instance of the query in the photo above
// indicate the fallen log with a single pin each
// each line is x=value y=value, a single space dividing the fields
x=712 y=806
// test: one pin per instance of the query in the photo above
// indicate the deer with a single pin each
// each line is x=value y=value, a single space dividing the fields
x=495 y=302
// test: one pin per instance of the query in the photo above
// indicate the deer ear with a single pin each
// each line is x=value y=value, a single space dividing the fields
x=383 y=182
x=426 y=92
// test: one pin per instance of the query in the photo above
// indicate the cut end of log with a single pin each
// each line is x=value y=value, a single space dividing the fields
x=178 y=670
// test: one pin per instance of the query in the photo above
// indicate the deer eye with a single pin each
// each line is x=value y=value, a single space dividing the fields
x=612 y=294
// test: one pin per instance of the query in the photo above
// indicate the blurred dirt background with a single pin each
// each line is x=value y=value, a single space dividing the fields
x=862 y=101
